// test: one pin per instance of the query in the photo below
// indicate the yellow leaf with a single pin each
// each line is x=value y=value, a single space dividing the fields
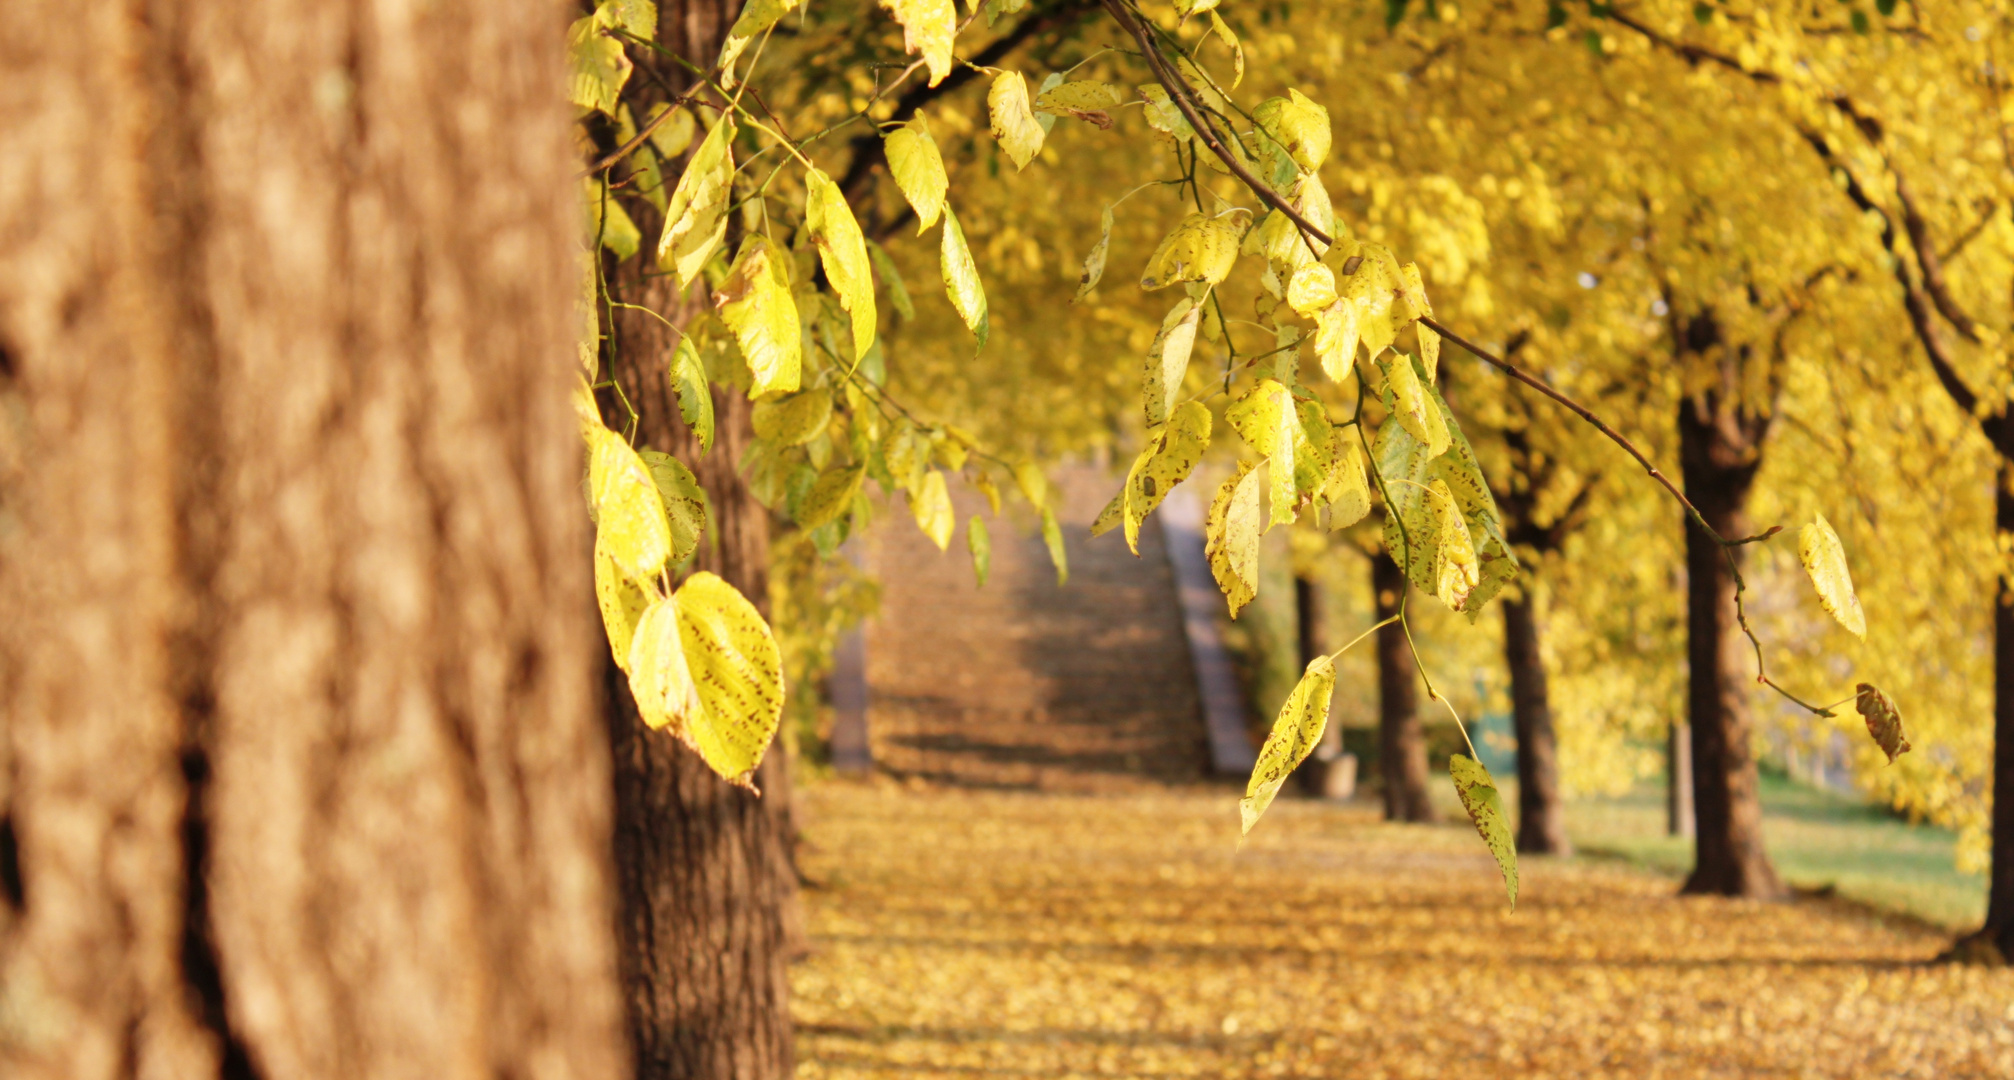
x=1267 y=420
x=983 y=483
x=673 y=136
x=1012 y=121
x=793 y=420
x=756 y=16
x=1411 y=301
x=932 y=507
x=696 y=219
x=843 y=250
x=1336 y=339
x=1088 y=100
x=1410 y=407
x=1295 y=732
x=695 y=401
x=622 y=602
x=1231 y=537
x=1346 y=491
x=927 y=28
x=1169 y=458
x=1052 y=538
x=1312 y=288
x=1168 y=359
x=609 y=222
x=1297 y=124
x=907 y=455
x=639 y=17
x=1479 y=797
x=684 y=502
x=1163 y=115
x=831 y=495
x=1200 y=249
x=597 y=68
x=755 y=302
x=981 y=545
x=1884 y=722
x=891 y=278
x=1430 y=351
x=736 y=673
x=1034 y=486
x=918 y=169
x=1455 y=571
x=628 y=514
x=961 y=278
x=1218 y=27
x=1094 y=263
x=1824 y=560
x=659 y=679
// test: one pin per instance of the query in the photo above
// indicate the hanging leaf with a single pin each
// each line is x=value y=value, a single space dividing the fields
x=1336 y=339
x=755 y=302
x=996 y=8
x=684 y=502
x=1479 y=797
x=793 y=420
x=843 y=251
x=1824 y=560
x=1371 y=286
x=961 y=278
x=1884 y=721
x=628 y=514
x=672 y=137
x=831 y=495
x=1269 y=423
x=1231 y=538
x=1231 y=42
x=756 y=17
x=696 y=219
x=597 y=70
x=659 y=679
x=1052 y=538
x=1346 y=492
x=981 y=545
x=891 y=278
x=1407 y=398
x=1410 y=299
x=927 y=28
x=609 y=221
x=1168 y=359
x=622 y=602
x=1295 y=733
x=1088 y=100
x=695 y=401
x=1298 y=125
x=918 y=169
x=1168 y=459
x=1034 y=486
x=1312 y=288
x=736 y=672
x=1094 y=263
x=932 y=507
x=1407 y=468
x=907 y=455
x=1013 y=122
x=1455 y=573
x=1200 y=249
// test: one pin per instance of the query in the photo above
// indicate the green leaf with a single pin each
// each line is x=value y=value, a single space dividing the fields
x=1824 y=560
x=737 y=676
x=996 y=8
x=793 y=420
x=918 y=169
x=830 y=496
x=1199 y=249
x=1295 y=732
x=695 y=401
x=961 y=278
x=1168 y=359
x=756 y=303
x=981 y=544
x=843 y=251
x=1052 y=537
x=1299 y=125
x=891 y=278
x=932 y=507
x=696 y=219
x=684 y=502
x=621 y=600
x=1231 y=537
x=597 y=69
x=1012 y=121
x=1884 y=722
x=1479 y=797
x=927 y=28
x=628 y=514
x=1094 y=263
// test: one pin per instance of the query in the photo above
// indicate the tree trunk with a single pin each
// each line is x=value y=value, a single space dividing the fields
x=1402 y=747
x=1720 y=449
x=1541 y=819
x=300 y=771
x=1678 y=817
x=708 y=884
x=1999 y=929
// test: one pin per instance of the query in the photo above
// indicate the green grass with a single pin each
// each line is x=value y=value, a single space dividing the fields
x=1816 y=838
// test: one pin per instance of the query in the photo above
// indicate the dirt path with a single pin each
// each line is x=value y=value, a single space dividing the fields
x=982 y=934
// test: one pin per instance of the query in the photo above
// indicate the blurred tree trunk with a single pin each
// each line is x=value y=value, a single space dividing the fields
x=1999 y=927
x=1720 y=449
x=300 y=770
x=709 y=888
x=1541 y=818
x=1402 y=746
x=1678 y=780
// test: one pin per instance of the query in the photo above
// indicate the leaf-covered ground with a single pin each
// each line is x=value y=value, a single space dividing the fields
x=963 y=934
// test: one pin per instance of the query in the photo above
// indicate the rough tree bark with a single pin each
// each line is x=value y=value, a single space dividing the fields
x=1720 y=448
x=302 y=772
x=1541 y=826
x=708 y=885
x=1402 y=746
